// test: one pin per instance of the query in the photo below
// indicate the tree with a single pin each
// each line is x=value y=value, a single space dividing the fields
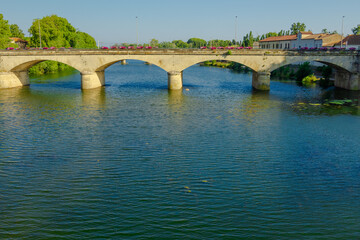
x=58 y=32
x=303 y=71
x=4 y=32
x=328 y=32
x=180 y=44
x=82 y=40
x=248 y=40
x=356 y=30
x=297 y=27
x=154 y=42
x=196 y=42
x=16 y=31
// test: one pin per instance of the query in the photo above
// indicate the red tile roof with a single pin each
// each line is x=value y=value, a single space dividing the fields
x=279 y=38
x=351 y=40
x=16 y=39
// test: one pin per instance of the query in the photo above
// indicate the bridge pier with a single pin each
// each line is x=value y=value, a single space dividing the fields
x=90 y=80
x=14 y=79
x=347 y=80
x=261 y=80
x=175 y=81
x=123 y=62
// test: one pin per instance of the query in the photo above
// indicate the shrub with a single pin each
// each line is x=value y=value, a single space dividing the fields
x=303 y=71
x=310 y=79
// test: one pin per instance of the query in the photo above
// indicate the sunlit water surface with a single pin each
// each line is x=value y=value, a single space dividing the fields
x=214 y=161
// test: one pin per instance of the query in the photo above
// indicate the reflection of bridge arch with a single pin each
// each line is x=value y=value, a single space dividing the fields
x=92 y=63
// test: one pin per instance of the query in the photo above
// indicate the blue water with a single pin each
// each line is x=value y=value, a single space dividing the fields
x=214 y=161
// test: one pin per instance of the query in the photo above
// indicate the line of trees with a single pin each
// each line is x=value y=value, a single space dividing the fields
x=55 y=32
x=7 y=31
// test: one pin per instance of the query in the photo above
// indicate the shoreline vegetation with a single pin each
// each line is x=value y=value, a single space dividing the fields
x=305 y=72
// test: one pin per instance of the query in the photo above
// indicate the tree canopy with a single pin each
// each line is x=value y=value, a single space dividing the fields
x=196 y=42
x=7 y=31
x=16 y=31
x=356 y=30
x=297 y=27
x=58 y=32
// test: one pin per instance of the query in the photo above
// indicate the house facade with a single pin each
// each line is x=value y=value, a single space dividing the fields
x=301 y=40
x=278 y=42
x=351 y=41
x=20 y=42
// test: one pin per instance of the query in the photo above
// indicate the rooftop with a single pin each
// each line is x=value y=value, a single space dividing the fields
x=350 y=40
x=279 y=38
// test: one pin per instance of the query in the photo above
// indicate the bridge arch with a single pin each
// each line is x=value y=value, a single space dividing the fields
x=340 y=66
x=15 y=73
x=105 y=64
x=243 y=61
x=25 y=65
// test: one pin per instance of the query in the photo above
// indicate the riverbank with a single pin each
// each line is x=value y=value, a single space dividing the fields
x=289 y=72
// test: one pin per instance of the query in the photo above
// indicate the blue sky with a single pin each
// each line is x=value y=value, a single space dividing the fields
x=114 y=21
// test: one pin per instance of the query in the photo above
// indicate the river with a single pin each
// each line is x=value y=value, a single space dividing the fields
x=214 y=161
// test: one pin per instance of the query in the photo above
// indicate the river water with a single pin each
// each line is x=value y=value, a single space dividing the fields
x=214 y=161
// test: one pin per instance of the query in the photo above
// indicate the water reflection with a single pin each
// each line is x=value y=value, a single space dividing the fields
x=253 y=106
x=94 y=97
x=175 y=99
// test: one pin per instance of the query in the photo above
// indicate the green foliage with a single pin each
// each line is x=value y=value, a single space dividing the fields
x=326 y=72
x=219 y=43
x=285 y=72
x=83 y=40
x=58 y=32
x=16 y=31
x=48 y=67
x=228 y=52
x=5 y=33
x=310 y=79
x=180 y=44
x=356 y=30
x=167 y=45
x=154 y=42
x=326 y=31
x=303 y=71
x=4 y=42
x=4 y=27
x=196 y=42
x=297 y=27
x=248 y=40
x=225 y=64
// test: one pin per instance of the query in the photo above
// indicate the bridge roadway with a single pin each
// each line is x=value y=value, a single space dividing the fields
x=92 y=63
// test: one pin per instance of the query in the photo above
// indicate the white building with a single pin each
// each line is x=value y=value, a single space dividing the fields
x=278 y=42
x=301 y=40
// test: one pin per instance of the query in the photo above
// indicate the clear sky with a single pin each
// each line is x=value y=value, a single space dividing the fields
x=114 y=21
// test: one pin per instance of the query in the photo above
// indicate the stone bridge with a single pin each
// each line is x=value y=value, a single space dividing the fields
x=92 y=63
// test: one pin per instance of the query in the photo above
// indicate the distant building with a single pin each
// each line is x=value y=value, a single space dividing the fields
x=278 y=42
x=351 y=41
x=20 y=42
x=256 y=45
x=301 y=40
